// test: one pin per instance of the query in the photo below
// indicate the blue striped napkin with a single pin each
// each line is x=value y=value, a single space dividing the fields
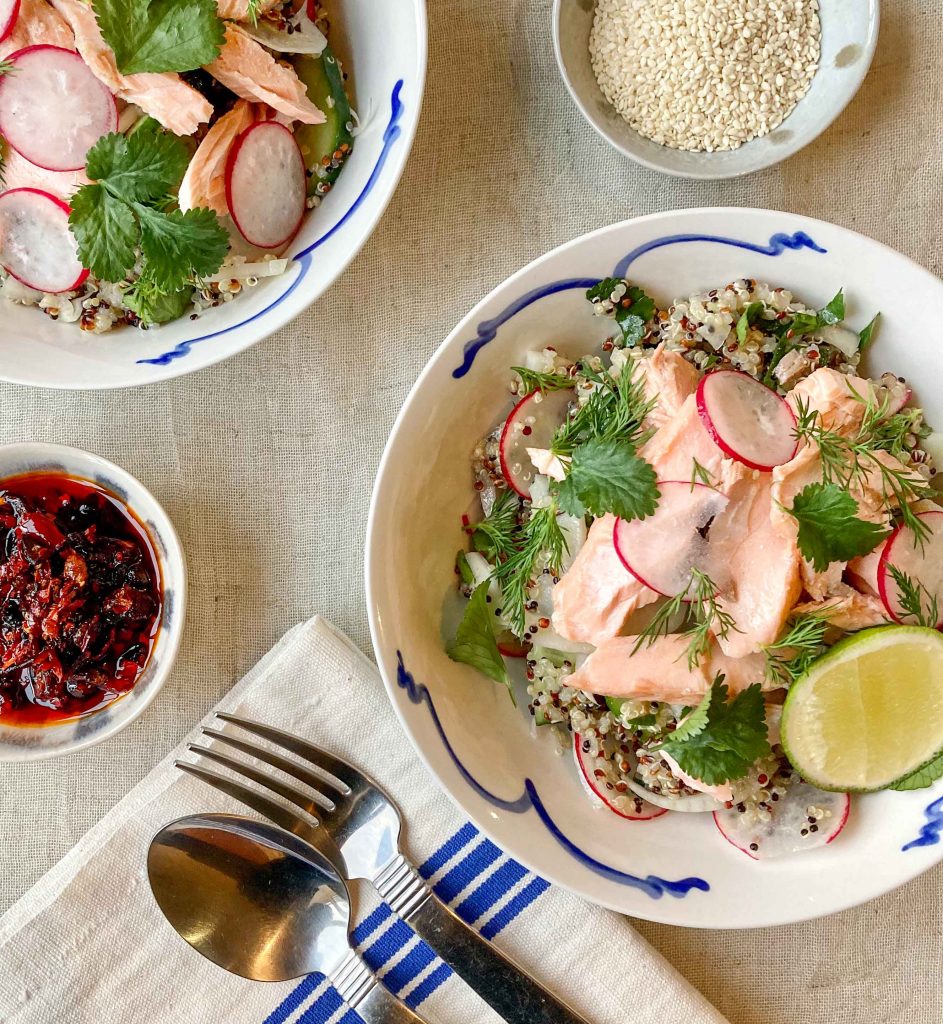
x=87 y=944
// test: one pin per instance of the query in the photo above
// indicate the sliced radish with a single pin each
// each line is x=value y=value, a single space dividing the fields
x=897 y=393
x=511 y=646
x=532 y=424
x=782 y=832
x=36 y=245
x=266 y=185
x=663 y=550
x=748 y=421
x=9 y=12
x=630 y=807
x=921 y=561
x=53 y=109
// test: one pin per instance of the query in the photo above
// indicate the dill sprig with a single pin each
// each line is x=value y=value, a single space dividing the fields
x=705 y=618
x=615 y=411
x=536 y=380
x=496 y=536
x=700 y=474
x=915 y=599
x=792 y=654
x=541 y=542
x=253 y=11
x=847 y=461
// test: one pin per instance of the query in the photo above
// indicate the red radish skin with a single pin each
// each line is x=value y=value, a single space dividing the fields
x=9 y=12
x=548 y=413
x=648 y=812
x=777 y=442
x=628 y=534
x=512 y=647
x=58 y=214
x=915 y=562
x=51 y=94
x=250 y=181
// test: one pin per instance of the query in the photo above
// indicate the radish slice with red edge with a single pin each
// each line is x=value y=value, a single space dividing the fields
x=9 y=12
x=747 y=420
x=511 y=646
x=36 y=245
x=781 y=833
x=266 y=185
x=662 y=550
x=921 y=561
x=53 y=109
x=633 y=808
x=532 y=424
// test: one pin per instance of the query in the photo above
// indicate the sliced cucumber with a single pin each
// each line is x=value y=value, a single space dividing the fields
x=325 y=147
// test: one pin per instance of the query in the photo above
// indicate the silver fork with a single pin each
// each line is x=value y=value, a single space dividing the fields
x=361 y=828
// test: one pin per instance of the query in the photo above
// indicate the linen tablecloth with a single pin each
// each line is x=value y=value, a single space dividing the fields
x=265 y=463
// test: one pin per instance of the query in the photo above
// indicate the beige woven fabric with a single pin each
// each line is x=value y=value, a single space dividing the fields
x=265 y=463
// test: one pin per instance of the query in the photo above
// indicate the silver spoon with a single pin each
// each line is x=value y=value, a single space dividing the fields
x=263 y=904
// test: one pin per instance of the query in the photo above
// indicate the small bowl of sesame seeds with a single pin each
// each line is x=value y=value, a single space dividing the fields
x=713 y=89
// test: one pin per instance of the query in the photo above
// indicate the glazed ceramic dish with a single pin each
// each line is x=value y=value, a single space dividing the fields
x=384 y=47
x=849 y=37
x=510 y=778
x=58 y=737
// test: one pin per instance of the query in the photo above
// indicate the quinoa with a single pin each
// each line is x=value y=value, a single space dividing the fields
x=705 y=75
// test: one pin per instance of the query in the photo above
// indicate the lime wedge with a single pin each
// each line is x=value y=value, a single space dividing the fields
x=868 y=712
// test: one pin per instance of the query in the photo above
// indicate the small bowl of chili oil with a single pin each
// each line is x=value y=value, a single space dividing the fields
x=92 y=595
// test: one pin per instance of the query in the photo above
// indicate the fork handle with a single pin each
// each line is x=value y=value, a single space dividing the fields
x=507 y=988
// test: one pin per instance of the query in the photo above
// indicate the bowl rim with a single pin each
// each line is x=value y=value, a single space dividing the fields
x=262 y=326
x=787 y=151
x=373 y=547
x=174 y=633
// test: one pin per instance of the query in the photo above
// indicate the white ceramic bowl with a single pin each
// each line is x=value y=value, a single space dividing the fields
x=32 y=743
x=385 y=49
x=510 y=778
x=849 y=36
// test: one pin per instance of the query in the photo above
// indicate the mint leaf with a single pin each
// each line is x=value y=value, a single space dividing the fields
x=829 y=529
x=725 y=739
x=866 y=334
x=608 y=476
x=160 y=35
x=747 y=319
x=922 y=777
x=178 y=246
x=105 y=231
x=475 y=643
x=834 y=312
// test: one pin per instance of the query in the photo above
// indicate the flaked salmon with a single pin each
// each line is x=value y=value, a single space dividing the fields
x=592 y=602
x=38 y=24
x=840 y=399
x=166 y=97
x=668 y=380
x=251 y=72
x=238 y=10
x=660 y=671
x=847 y=609
x=204 y=183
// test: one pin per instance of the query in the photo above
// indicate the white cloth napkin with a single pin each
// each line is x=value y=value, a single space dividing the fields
x=87 y=944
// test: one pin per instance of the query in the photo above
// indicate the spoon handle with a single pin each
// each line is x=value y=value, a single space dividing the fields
x=507 y=988
x=378 y=1006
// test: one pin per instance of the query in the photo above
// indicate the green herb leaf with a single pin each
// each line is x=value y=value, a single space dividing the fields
x=178 y=246
x=608 y=476
x=160 y=35
x=916 y=601
x=105 y=231
x=497 y=535
x=632 y=311
x=475 y=642
x=642 y=722
x=791 y=655
x=866 y=334
x=633 y=329
x=604 y=289
x=720 y=741
x=747 y=319
x=922 y=777
x=464 y=569
x=829 y=529
x=139 y=168
x=154 y=306
x=834 y=312
x=534 y=380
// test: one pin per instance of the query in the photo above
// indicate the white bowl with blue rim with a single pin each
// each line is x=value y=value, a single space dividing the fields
x=509 y=778
x=849 y=37
x=385 y=50
x=56 y=738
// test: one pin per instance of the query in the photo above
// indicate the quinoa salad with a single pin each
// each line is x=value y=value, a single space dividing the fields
x=173 y=171
x=686 y=532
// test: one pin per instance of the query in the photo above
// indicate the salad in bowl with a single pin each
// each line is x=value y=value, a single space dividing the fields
x=652 y=568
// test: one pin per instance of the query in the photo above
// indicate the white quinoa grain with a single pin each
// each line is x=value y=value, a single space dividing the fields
x=705 y=75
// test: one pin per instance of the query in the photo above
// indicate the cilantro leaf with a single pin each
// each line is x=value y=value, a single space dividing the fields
x=141 y=167
x=105 y=232
x=720 y=741
x=922 y=777
x=177 y=245
x=608 y=476
x=160 y=35
x=632 y=312
x=829 y=529
x=747 y=319
x=834 y=312
x=866 y=334
x=475 y=643
x=642 y=722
